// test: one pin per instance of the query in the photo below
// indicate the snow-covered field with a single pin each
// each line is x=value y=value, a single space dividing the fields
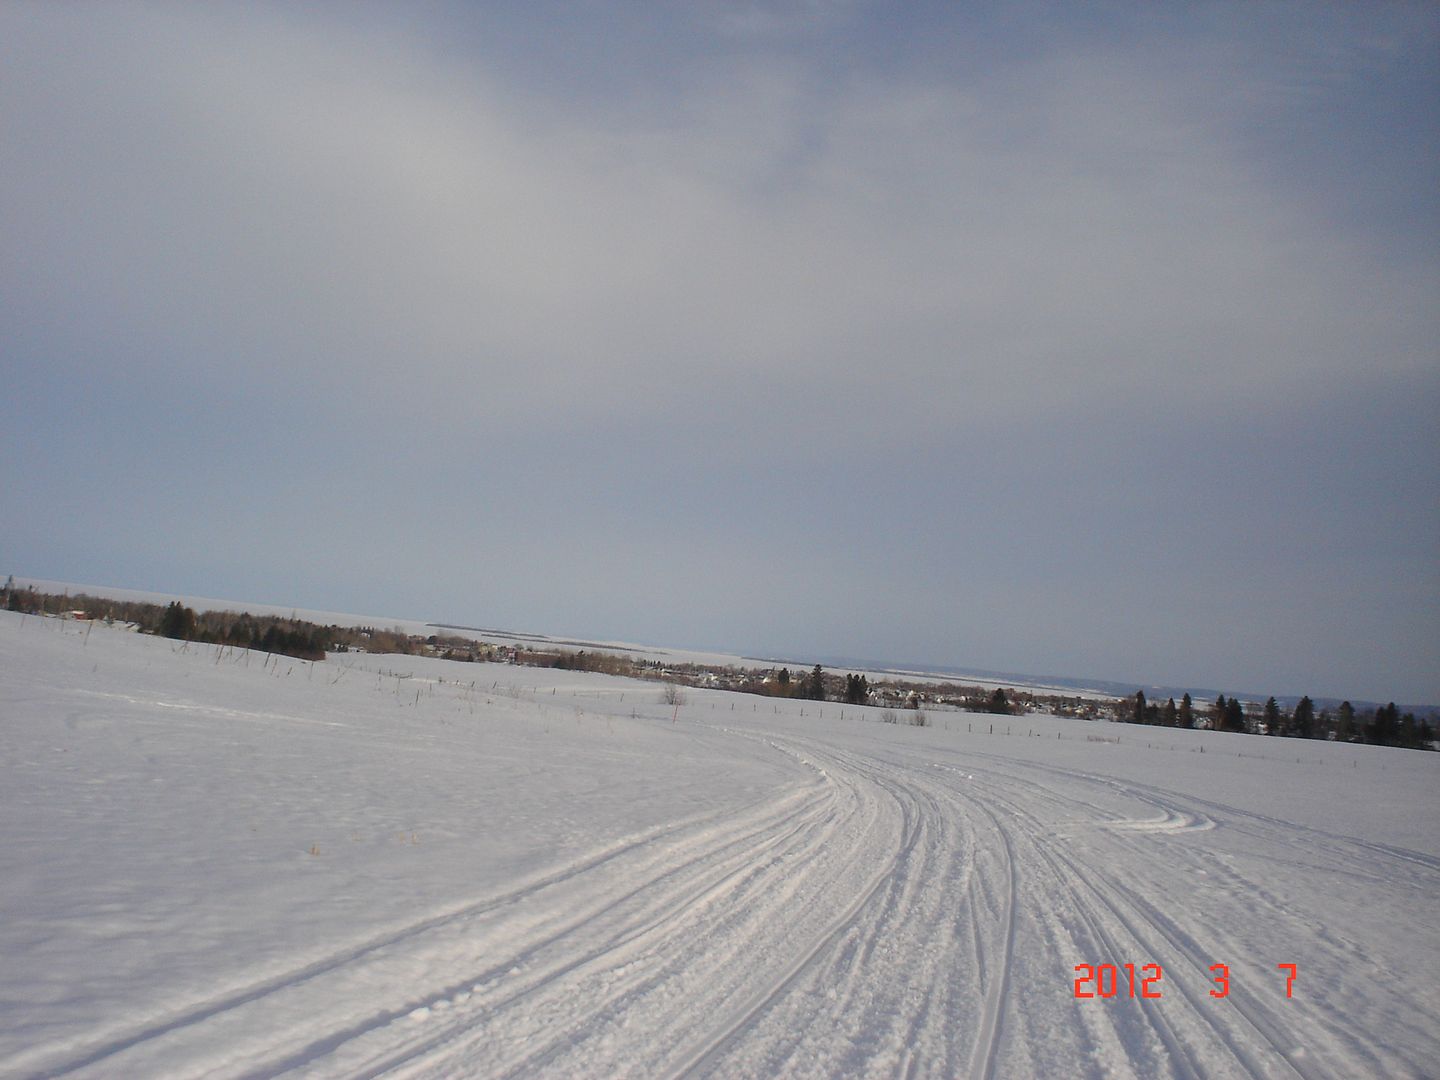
x=214 y=864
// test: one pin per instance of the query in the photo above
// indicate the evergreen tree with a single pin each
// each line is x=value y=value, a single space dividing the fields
x=1345 y=723
x=1384 y=729
x=1409 y=733
x=1218 y=713
x=1272 y=716
x=857 y=690
x=178 y=622
x=1168 y=716
x=1234 y=715
x=1187 y=712
x=999 y=703
x=1303 y=722
x=242 y=631
x=1425 y=735
x=814 y=687
x=1139 y=713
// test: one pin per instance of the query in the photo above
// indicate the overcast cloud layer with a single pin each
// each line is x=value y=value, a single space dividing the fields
x=1101 y=346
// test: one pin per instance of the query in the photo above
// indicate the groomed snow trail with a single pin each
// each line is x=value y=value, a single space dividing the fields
x=742 y=893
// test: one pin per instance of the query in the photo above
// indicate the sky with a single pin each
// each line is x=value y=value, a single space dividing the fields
x=1098 y=343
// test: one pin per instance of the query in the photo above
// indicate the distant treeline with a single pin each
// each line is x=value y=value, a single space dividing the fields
x=267 y=633
x=1384 y=726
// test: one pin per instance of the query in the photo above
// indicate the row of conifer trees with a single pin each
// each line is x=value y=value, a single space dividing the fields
x=1383 y=726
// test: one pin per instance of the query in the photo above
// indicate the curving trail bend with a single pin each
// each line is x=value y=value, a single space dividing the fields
x=899 y=903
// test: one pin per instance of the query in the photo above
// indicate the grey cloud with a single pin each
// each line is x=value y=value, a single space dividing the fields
x=1048 y=249
x=711 y=350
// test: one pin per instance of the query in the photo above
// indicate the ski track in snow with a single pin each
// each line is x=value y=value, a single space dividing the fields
x=903 y=903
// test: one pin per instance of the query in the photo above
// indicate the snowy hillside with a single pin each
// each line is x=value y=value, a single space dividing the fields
x=221 y=864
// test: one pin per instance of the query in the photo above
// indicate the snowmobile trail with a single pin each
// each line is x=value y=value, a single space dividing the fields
x=778 y=895
x=204 y=1011
x=882 y=916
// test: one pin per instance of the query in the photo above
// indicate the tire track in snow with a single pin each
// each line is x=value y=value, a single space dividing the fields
x=1251 y=1010
x=1188 y=1064
x=861 y=987
x=706 y=1057
x=1145 y=936
x=741 y=932
x=729 y=941
x=982 y=1061
x=1093 y=906
x=1330 y=1034
x=660 y=911
x=647 y=848
x=658 y=923
x=1144 y=928
x=1232 y=815
x=658 y=918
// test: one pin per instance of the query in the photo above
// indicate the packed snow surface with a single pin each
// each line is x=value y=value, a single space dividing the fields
x=217 y=863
